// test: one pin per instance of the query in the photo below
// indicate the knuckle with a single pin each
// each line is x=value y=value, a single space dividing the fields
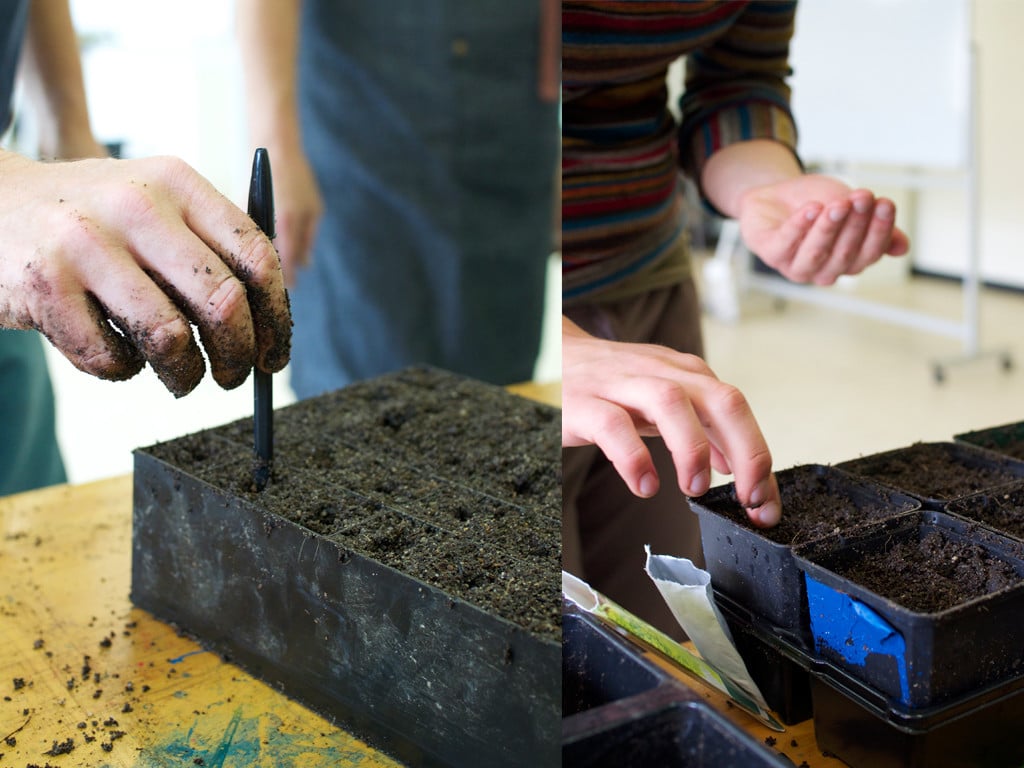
x=760 y=462
x=226 y=300
x=171 y=170
x=670 y=397
x=729 y=399
x=612 y=422
x=257 y=256
x=99 y=361
x=696 y=455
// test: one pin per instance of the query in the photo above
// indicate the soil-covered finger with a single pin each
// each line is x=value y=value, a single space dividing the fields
x=171 y=350
x=152 y=324
x=217 y=226
x=81 y=330
x=222 y=318
x=255 y=262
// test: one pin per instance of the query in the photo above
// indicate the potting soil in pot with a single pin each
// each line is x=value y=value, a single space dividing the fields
x=937 y=472
x=1001 y=509
x=818 y=501
x=931 y=574
x=400 y=572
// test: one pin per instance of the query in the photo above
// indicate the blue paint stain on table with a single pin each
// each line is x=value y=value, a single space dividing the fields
x=247 y=741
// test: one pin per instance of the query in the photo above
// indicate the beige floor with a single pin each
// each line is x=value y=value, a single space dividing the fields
x=828 y=385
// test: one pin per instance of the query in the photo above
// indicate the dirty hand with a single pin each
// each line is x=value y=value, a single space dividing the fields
x=113 y=259
x=613 y=393
x=813 y=228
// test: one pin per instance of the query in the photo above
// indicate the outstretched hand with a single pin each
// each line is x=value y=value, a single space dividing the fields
x=113 y=260
x=613 y=393
x=814 y=228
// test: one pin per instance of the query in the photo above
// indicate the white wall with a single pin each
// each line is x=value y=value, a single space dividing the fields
x=1000 y=126
x=166 y=78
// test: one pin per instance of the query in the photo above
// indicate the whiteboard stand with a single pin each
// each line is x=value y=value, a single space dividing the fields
x=730 y=249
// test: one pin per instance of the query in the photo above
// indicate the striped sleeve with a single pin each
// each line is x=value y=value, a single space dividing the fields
x=735 y=88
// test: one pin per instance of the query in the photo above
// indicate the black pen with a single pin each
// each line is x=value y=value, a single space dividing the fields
x=261 y=210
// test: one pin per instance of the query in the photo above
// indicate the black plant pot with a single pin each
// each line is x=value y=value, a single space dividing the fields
x=281 y=581
x=755 y=567
x=916 y=658
x=937 y=473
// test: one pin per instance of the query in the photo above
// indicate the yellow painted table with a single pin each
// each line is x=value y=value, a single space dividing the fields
x=86 y=679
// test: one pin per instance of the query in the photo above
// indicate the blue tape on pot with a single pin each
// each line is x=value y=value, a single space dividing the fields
x=854 y=631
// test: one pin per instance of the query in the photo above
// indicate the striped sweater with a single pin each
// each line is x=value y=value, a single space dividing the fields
x=622 y=149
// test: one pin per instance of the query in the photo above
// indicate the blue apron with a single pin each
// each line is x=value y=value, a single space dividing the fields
x=437 y=162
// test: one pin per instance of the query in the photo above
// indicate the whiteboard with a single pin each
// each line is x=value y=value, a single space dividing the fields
x=883 y=81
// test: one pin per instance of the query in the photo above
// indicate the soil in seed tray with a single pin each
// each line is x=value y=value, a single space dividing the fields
x=446 y=479
x=931 y=574
x=816 y=505
x=1002 y=511
x=931 y=470
x=1008 y=440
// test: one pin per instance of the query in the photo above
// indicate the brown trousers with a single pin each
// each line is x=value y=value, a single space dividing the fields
x=604 y=526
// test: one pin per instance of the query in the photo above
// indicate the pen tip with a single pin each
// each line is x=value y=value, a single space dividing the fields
x=261 y=192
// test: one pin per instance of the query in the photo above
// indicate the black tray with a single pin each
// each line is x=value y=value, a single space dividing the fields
x=759 y=573
x=780 y=669
x=428 y=675
x=868 y=729
x=423 y=676
x=915 y=658
x=989 y=469
x=622 y=710
x=1006 y=439
x=865 y=729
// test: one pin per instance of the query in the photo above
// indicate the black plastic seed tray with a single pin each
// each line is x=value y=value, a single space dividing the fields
x=432 y=675
x=755 y=568
x=964 y=470
x=866 y=729
x=621 y=710
x=423 y=676
x=1006 y=439
x=917 y=659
